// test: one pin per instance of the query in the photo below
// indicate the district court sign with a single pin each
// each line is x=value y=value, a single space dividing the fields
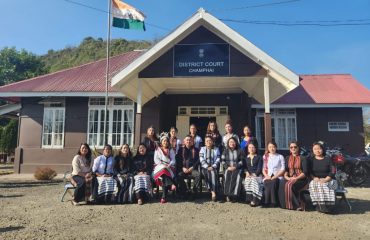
x=211 y=59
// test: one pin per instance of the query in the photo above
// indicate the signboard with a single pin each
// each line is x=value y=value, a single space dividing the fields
x=211 y=59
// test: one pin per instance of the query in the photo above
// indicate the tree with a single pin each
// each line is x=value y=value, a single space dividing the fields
x=18 y=65
x=8 y=137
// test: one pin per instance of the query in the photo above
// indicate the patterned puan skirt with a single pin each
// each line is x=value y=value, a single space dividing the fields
x=323 y=193
x=254 y=187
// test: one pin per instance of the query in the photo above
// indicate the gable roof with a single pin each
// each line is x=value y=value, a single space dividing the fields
x=282 y=80
x=80 y=80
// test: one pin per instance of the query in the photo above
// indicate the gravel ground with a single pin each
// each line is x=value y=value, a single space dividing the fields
x=32 y=210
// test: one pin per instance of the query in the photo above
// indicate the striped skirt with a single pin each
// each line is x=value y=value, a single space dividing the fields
x=253 y=187
x=106 y=189
x=233 y=183
x=162 y=169
x=126 y=189
x=211 y=178
x=323 y=194
x=143 y=184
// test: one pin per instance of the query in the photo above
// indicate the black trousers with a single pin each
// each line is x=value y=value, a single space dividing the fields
x=181 y=181
x=79 y=194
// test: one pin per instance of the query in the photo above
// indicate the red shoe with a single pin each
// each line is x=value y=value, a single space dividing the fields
x=163 y=201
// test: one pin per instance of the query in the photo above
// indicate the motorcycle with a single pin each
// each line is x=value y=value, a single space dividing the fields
x=358 y=170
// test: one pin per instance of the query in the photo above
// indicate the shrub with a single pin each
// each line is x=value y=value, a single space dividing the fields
x=45 y=173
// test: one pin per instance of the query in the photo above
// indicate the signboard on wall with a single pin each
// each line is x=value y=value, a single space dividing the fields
x=208 y=59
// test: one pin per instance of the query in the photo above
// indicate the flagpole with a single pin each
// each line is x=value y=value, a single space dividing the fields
x=107 y=73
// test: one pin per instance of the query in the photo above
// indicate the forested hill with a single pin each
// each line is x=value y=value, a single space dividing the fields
x=16 y=65
x=89 y=50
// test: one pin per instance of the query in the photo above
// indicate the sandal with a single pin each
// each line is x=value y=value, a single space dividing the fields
x=140 y=202
x=163 y=201
x=74 y=203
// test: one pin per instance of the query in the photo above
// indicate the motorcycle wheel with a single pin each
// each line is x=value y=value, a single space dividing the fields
x=358 y=175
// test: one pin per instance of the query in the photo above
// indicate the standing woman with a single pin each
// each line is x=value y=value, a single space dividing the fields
x=123 y=173
x=141 y=169
x=253 y=183
x=81 y=174
x=247 y=138
x=233 y=160
x=197 y=141
x=104 y=185
x=209 y=157
x=295 y=179
x=323 y=185
x=229 y=134
x=212 y=131
x=273 y=171
x=165 y=164
x=151 y=142
x=174 y=141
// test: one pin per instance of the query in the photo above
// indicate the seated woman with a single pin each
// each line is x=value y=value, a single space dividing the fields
x=273 y=171
x=209 y=157
x=322 y=187
x=104 y=185
x=122 y=171
x=81 y=174
x=141 y=169
x=165 y=164
x=253 y=183
x=187 y=161
x=295 y=179
x=233 y=160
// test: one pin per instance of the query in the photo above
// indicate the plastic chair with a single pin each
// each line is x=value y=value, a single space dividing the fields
x=68 y=186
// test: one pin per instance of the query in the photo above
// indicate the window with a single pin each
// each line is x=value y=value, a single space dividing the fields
x=283 y=125
x=338 y=126
x=119 y=124
x=53 y=125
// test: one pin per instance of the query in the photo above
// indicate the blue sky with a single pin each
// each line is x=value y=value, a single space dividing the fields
x=40 y=25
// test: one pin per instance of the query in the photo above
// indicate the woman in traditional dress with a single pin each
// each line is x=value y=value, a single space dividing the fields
x=247 y=138
x=253 y=183
x=151 y=142
x=229 y=134
x=212 y=131
x=209 y=157
x=141 y=169
x=174 y=141
x=273 y=171
x=123 y=175
x=197 y=140
x=233 y=160
x=323 y=185
x=295 y=179
x=165 y=164
x=81 y=174
x=104 y=185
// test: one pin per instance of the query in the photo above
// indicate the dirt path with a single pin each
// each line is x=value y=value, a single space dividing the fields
x=33 y=211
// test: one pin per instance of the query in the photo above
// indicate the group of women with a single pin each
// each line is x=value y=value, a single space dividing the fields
x=231 y=167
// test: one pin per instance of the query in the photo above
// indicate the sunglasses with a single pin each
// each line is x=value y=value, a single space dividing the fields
x=293 y=147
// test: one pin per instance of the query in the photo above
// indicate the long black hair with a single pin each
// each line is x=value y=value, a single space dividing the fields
x=88 y=154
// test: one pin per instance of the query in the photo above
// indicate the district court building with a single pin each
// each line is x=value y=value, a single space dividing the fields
x=201 y=71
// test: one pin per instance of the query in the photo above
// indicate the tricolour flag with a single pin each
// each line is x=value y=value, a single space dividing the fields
x=126 y=16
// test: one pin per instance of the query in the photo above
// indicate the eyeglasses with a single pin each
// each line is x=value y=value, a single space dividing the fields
x=292 y=147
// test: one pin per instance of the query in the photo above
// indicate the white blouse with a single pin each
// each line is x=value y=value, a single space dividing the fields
x=275 y=164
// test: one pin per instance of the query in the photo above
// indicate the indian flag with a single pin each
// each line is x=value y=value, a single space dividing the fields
x=126 y=16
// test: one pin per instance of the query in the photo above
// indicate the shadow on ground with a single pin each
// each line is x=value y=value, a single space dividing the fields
x=9 y=229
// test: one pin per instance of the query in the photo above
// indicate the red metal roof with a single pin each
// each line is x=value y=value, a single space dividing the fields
x=327 y=89
x=89 y=77
x=313 y=89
